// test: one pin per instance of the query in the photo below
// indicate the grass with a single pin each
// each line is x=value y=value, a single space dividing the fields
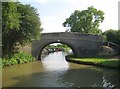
x=95 y=60
x=109 y=62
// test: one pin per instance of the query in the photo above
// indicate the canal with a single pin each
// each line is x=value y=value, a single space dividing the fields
x=55 y=71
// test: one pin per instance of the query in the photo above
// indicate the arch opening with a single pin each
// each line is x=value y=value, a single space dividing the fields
x=55 y=47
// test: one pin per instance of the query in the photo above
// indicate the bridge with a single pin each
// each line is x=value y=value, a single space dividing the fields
x=82 y=45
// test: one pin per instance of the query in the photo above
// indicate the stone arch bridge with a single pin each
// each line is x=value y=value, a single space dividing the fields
x=81 y=44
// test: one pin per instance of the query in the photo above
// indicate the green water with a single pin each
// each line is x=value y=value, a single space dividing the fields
x=55 y=71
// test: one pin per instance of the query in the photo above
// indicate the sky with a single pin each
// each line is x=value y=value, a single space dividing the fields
x=53 y=13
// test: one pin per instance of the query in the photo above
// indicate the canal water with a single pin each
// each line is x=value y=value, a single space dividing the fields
x=55 y=71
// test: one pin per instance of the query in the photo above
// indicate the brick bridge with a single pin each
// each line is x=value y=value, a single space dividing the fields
x=81 y=44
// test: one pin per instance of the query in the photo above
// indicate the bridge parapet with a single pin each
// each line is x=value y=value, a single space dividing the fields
x=71 y=35
x=81 y=44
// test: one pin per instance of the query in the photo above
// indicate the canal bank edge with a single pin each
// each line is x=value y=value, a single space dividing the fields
x=69 y=59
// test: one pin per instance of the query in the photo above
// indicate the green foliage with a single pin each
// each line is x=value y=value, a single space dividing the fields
x=112 y=36
x=20 y=24
x=63 y=46
x=10 y=25
x=100 y=61
x=95 y=60
x=17 y=58
x=0 y=62
x=0 y=25
x=112 y=63
x=30 y=23
x=10 y=17
x=85 y=21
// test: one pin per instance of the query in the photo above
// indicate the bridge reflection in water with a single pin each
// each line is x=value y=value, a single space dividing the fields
x=55 y=61
x=54 y=71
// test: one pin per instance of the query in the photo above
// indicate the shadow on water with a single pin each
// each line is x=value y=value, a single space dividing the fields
x=70 y=78
x=54 y=71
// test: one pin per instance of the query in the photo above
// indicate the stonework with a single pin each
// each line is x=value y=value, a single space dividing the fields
x=82 y=44
x=108 y=51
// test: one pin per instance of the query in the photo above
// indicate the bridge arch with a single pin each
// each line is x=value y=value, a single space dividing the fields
x=81 y=44
x=69 y=45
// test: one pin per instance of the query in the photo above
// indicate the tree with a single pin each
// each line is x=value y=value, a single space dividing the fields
x=20 y=25
x=30 y=26
x=112 y=36
x=0 y=30
x=10 y=24
x=85 y=21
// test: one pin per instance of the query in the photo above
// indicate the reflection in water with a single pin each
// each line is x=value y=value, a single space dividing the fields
x=54 y=71
x=55 y=61
x=106 y=83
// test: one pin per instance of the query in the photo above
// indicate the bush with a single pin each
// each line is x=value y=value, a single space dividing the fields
x=17 y=58
x=112 y=36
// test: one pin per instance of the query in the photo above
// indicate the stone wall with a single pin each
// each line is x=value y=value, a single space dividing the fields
x=26 y=48
x=81 y=44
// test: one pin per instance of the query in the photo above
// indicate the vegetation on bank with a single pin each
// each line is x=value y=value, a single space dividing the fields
x=17 y=58
x=100 y=61
x=0 y=63
x=20 y=25
x=88 y=21
x=112 y=36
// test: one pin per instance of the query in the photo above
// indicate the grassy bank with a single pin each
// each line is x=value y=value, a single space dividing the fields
x=17 y=58
x=103 y=61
